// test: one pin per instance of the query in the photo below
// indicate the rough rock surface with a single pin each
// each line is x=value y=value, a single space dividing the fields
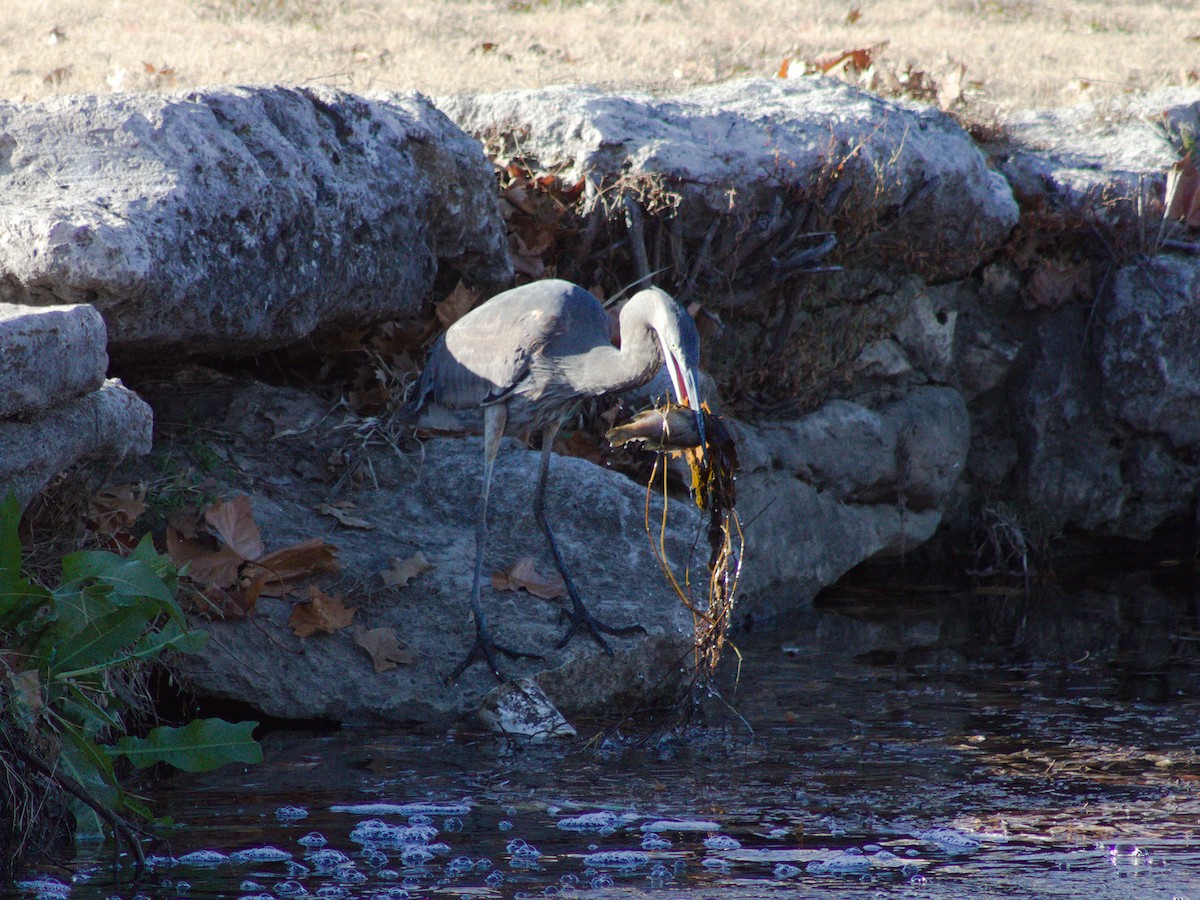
x=1146 y=337
x=105 y=425
x=49 y=355
x=426 y=503
x=907 y=177
x=845 y=484
x=235 y=220
x=1098 y=151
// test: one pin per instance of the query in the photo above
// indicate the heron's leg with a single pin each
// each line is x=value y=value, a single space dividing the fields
x=485 y=649
x=580 y=617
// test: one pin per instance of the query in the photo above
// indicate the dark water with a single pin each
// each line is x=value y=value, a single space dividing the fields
x=927 y=744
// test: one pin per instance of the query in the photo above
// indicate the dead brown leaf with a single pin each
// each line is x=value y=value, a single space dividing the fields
x=116 y=507
x=384 y=647
x=279 y=571
x=341 y=512
x=950 y=85
x=401 y=572
x=210 y=563
x=853 y=15
x=784 y=67
x=849 y=61
x=457 y=304
x=233 y=522
x=1182 y=197
x=321 y=613
x=523 y=575
x=222 y=603
x=1055 y=282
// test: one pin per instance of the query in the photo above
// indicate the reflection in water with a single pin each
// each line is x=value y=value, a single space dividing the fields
x=926 y=745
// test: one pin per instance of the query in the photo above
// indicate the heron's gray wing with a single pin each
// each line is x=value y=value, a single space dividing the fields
x=486 y=355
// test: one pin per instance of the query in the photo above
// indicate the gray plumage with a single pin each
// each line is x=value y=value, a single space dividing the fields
x=542 y=347
x=525 y=358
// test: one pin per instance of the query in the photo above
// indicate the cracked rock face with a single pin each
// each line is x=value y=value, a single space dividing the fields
x=240 y=219
x=908 y=175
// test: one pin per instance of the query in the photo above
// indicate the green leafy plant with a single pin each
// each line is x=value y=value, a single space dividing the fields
x=69 y=661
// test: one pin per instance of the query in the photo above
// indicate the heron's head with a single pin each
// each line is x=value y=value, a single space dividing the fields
x=680 y=344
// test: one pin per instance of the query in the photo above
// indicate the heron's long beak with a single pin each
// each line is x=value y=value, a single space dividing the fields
x=683 y=380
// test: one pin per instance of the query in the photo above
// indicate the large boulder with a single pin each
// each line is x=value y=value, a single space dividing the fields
x=50 y=354
x=234 y=220
x=821 y=494
x=104 y=426
x=1095 y=153
x=426 y=502
x=56 y=406
x=902 y=183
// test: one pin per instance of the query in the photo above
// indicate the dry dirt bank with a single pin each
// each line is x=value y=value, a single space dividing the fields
x=1016 y=52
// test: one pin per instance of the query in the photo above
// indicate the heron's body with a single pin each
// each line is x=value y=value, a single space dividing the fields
x=525 y=358
x=538 y=349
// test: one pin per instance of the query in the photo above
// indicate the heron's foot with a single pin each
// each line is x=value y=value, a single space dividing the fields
x=581 y=618
x=485 y=650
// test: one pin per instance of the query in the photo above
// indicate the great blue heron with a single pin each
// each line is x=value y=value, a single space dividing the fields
x=526 y=357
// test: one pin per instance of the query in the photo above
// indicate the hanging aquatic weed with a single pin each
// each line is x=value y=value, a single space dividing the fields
x=671 y=430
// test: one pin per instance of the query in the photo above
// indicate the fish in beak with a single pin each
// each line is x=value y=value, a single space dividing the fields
x=683 y=380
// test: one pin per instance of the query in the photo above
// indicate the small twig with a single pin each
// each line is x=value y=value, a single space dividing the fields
x=122 y=830
x=637 y=240
x=1185 y=246
x=701 y=259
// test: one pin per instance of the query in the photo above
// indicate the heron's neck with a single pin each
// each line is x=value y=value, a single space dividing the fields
x=607 y=370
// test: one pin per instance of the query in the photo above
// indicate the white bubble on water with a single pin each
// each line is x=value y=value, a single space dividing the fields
x=249 y=885
x=505 y=825
x=595 y=821
x=847 y=863
x=460 y=865
x=951 y=840
x=654 y=841
x=45 y=888
x=416 y=855
x=601 y=881
x=722 y=842
x=313 y=839
x=327 y=860
x=661 y=825
x=202 y=858
x=784 y=870
x=260 y=855
x=291 y=813
x=403 y=809
x=617 y=859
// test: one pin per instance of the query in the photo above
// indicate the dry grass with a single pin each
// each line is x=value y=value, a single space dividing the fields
x=1017 y=52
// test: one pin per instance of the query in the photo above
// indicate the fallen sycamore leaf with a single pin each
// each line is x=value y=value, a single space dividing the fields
x=321 y=613
x=384 y=647
x=523 y=575
x=341 y=512
x=401 y=572
x=222 y=603
x=223 y=550
x=1055 y=282
x=1182 y=198
x=116 y=507
x=279 y=571
x=210 y=563
x=233 y=522
x=457 y=304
